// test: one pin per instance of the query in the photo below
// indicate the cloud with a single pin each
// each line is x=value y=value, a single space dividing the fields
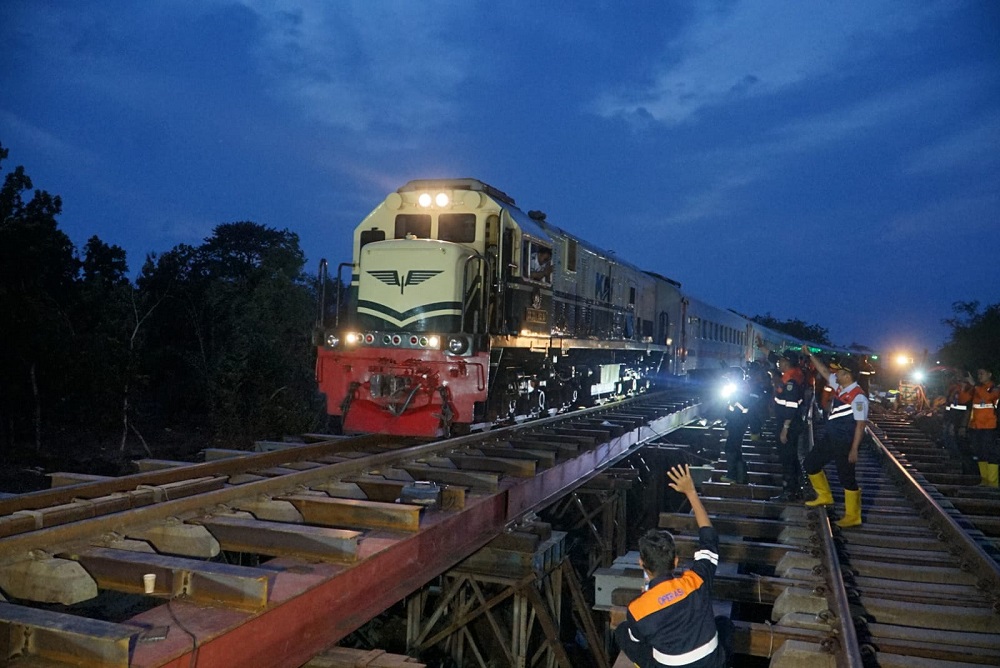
x=756 y=48
x=732 y=170
x=45 y=142
x=357 y=64
x=963 y=216
x=912 y=97
x=714 y=200
x=972 y=145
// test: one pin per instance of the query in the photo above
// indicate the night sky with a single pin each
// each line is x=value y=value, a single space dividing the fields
x=833 y=161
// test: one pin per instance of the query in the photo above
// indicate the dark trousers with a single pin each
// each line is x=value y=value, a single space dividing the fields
x=736 y=427
x=788 y=455
x=984 y=445
x=757 y=416
x=949 y=435
x=830 y=447
x=642 y=654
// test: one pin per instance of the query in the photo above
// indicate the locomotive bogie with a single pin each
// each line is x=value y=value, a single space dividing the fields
x=424 y=396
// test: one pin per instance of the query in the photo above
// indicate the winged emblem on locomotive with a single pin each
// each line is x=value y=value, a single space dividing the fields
x=413 y=277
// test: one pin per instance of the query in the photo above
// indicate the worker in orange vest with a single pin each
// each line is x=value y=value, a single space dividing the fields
x=983 y=424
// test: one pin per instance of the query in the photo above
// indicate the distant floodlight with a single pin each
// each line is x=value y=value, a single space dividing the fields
x=903 y=359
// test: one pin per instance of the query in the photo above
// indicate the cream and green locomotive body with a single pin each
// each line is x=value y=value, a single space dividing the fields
x=449 y=323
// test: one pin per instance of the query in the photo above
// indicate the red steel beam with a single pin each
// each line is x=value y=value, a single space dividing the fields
x=315 y=606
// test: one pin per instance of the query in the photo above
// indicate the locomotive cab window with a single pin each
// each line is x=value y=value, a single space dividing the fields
x=417 y=224
x=372 y=235
x=457 y=227
x=537 y=262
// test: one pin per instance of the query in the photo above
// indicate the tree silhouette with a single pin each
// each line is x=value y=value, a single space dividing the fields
x=795 y=327
x=37 y=272
x=975 y=337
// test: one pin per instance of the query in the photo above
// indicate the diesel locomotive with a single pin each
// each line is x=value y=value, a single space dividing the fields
x=464 y=311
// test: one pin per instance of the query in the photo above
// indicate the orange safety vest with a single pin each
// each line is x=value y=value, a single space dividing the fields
x=984 y=405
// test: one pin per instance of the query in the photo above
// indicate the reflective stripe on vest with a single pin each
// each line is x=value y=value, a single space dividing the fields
x=687 y=657
x=844 y=408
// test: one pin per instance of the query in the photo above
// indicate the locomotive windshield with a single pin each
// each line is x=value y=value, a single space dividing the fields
x=417 y=224
x=457 y=227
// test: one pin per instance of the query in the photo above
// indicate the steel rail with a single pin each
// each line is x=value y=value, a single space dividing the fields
x=849 y=654
x=43 y=539
x=315 y=604
x=229 y=466
x=987 y=566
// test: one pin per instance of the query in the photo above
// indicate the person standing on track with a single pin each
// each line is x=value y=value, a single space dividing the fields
x=788 y=393
x=983 y=424
x=760 y=397
x=956 y=414
x=738 y=396
x=839 y=439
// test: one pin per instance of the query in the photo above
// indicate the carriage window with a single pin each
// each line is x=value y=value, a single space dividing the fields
x=417 y=224
x=457 y=227
x=372 y=235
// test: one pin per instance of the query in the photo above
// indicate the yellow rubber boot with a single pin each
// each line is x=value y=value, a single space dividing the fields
x=852 y=509
x=824 y=497
x=993 y=475
x=984 y=473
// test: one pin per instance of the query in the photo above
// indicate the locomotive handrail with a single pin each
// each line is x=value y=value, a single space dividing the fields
x=323 y=274
x=340 y=288
x=465 y=287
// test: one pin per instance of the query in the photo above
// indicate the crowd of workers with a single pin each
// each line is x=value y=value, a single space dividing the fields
x=821 y=411
x=810 y=401
x=970 y=422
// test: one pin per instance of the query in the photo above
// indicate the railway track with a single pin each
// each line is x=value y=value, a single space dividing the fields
x=266 y=559
x=246 y=549
x=918 y=584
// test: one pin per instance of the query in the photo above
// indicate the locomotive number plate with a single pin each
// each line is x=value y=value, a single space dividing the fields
x=535 y=315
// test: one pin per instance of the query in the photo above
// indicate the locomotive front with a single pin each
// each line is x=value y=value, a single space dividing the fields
x=411 y=356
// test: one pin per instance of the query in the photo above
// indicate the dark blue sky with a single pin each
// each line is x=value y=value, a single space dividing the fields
x=834 y=161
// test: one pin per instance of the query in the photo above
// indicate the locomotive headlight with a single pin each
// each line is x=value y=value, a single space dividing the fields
x=457 y=345
x=433 y=341
x=352 y=338
x=332 y=340
x=442 y=199
x=424 y=200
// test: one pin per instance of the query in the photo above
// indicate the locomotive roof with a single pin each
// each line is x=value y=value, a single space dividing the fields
x=458 y=184
x=539 y=229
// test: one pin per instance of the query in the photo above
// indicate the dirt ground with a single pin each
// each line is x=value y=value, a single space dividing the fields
x=25 y=468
